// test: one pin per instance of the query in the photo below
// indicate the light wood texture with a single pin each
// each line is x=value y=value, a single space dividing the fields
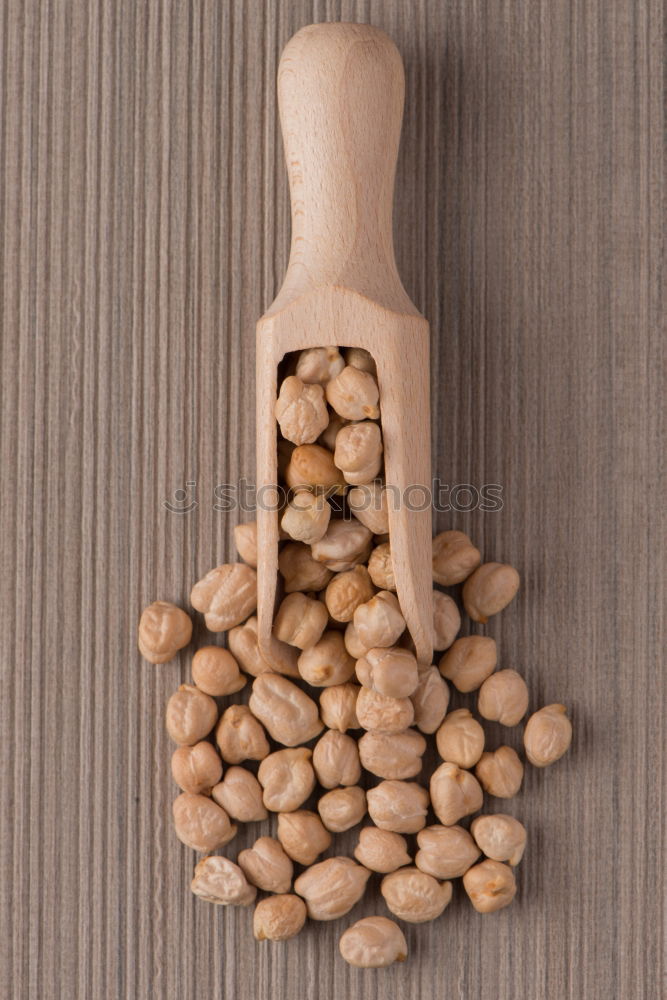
x=341 y=89
x=144 y=222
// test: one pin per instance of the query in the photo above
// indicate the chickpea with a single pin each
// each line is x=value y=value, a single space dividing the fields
x=392 y=672
x=191 y=715
x=266 y=865
x=163 y=630
x=216 y=672
x=332 y=887
x=396 y=756
x=338 y=707
x=381 y=850
x=278 y=918
x=415 y=897
x=347 y=591
x=354 y=394
x=430 y=700
x=503 y=697
x=358 y=452
x=240 y=736
x=312 y=467
x=360 y=358
x=300 y=571
x=345 y=544
x=377 y=712
x=303 y=835
x=500 y=773
x=200 y=823
x=490 y=589
x=379 y=622
x=287 y=777
x=242 y=641
x=373 y=943
x=300 y=621
x=460 y=738
x=219 y=880
x=500 y=837
x=328 y=436
x=285 y=451
x=352 y=644
x=245 y=539
x=369 y=505
x=547 y=735
x=445 y=851
x=469 y=662
x=301 y=410
x=342 y=808
x=381 y=568
x=455 y=793
x=446 y=620
x=306 y=517
x=327 y=663
x=454 y=558
x=398 y=806
x=288 y=714
x=226 y=596
x=240 y=795
x=196 y=769
x=319 y=364
x=490 y=886
x=336 y=760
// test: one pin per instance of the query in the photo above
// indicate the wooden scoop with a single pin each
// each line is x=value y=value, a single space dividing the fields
x=340 y=91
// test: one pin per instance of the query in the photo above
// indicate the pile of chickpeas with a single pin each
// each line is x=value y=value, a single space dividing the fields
x=352 y=699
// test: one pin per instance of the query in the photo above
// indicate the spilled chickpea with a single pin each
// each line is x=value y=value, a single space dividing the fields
x=339 y=736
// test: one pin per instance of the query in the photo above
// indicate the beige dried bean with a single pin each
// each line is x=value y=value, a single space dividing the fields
x=243 y=645
x=454 y=558
x=336 y=760
x=373 y=943
x=358 y=452
x=338 y=707
x=266 y=865
x=379 y=713
x=381 y=850
x=398 y=806
x=490 y=886
x=455 y=793
x=332 y=887
x=445 y=851
x=319 y=364
x=547 y=735
x=219 y=880
x=381 y=567
x=301 y=410
x=379 y=622
x=190 y=716
x=245 y=539
x=446 y=620
x=354 y=394
x=347 y=591
x=312 y=466
x=240 y=736
x=460 y=739
x=345 y=544
x=500 y=772
x=299 y=570
x=503 y=697
x=226 y=596
x=413 y=896
x=342 y=808
x=216 y=672
x=278 y=918
x=392 y=672
x=469 y=661
x=288 y=714
x=490 y=589
x=352 y=644
x=196 y=769
x=327 y=663
x=240 y=795
x=397 y=756
x=500 y=837
x=328 y=436
x=369 y=505
x=163 y=630
x=300 y=621
x=430 y=700
x=200 y=823
x=306 y=517
x=303 y=835
x=359 y=357
x=288 y=778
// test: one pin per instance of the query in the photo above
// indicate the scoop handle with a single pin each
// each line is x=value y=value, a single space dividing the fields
x=340 y=92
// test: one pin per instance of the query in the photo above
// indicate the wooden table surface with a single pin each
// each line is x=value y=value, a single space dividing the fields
x=144 y=229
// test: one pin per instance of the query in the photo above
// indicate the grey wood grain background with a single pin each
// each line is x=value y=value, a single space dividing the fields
x=144 y=228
